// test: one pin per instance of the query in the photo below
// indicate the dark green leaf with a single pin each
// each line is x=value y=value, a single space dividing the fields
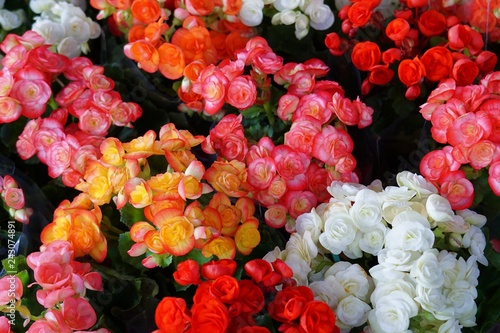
x=124 y=244
x=129 y=215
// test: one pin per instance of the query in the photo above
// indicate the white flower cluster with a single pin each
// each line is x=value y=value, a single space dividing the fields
x=304 y=14
x=10 y=20
x=415 y=236
x=64 y=25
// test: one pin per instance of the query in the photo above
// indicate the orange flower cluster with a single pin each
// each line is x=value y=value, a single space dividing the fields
x=78 y=222
x=166 y=39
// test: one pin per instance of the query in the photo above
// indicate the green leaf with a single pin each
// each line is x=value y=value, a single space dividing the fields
x=124 y=244
x=163 y=260
x=194 y=254
x=129 y=215
x=252 y=111
x=14 y=265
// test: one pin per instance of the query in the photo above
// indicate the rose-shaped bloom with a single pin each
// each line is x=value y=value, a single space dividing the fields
x=372 y=240
x=411 y=72
x=410 y=232
x=290 y=303
x=459 y=37
x=242 y=92
x=417 y=183
x=339 y=232
x=365 y=55
x=359 y=13
x=225 y=288
x=475 y=241
x=318 y=317
x=332 y=144
x=300 y=137
x=431 y=23
x=310 y=222
x=214 y=269
x=438 y=63
x=366 y=212
x=464 y=72
x=11 y=288
x=397 y=29
x=352 y=312
x=171 y=315
x=391 y=261
x=380 y=75
x=187 y=272
x=78 y=313
x=209 y=316
x=427 y=271
x=228 y=177
x=392 y=313
x=457 y=189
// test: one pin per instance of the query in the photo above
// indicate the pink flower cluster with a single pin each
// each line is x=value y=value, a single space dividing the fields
x=29 y=70
x=291 y=178
x=466 y=119
x=63 y=283
x=13 y=198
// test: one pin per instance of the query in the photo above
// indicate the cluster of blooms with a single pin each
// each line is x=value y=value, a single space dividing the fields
x=465 y=120
x=302 y=14
x=25 y=84
x=63 y=283
x=174 y=221
x=420 y=245
x=232 y=303
x=11 y=19
x=460 y=55
x=64 y=26
x=166 y=36
x=13 y=199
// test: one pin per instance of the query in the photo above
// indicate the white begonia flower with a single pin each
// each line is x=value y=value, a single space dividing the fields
x=345 y=192
x=396 y=193
x=95 y=29
x=392 y=313
x=69 y=47
x=301 y=26
x=355 y=281
x=282 y=5
x=77 y=28
x=337 y=267
x=439 y=208
x=325 y=210
x=351 y=312
x=426 y=270
x=286 y=17
x=372 y=241
x=462 y=301
x=320 y=15
x=274 y=254
x=417 y=183
x=311 y=222
x=353 y=251
x=366 y=212
x=456 y=224
x=472 y=217
x=40 y=6
x=450 y=326
x=410 y=232
x=392 y=208
x=431 y=300
x=339 y=232
x=397 y=259
x=468 y=319
x=472 y=271
x=328 y=291
x=9 y=20
x=387 y=286
x=51 y=31
x=251 y=12
x=455 y=240
x=302 y=246
x=300 y=268
x=475 y=241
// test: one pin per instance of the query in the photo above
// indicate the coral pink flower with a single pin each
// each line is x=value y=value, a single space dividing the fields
x=301 y=135
x=10 y=287
x=481 y=154
x=494 y=177
x=299 y=202
x=10 y=109
x=95 y=122
x=242 y=92
x=78 y=313
x=33 y=96
x=469 y=128
x=436 y=163
x=287 y=105
x=275 y=216
x=313 y=105
x=211 y=85
x=261 y=172
x=302 y=83
x=332 y=144
x=4 y=325
x=290 y=163
x=457 y=189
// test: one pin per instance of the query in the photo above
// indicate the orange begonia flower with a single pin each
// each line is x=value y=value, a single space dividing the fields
x=195 y=44
x=177 y=235
x=142 y=147
x=136 y=32
x=146 y=11
x=171 y=61
x=222 y=247
x=247 y=236
x=144 y=53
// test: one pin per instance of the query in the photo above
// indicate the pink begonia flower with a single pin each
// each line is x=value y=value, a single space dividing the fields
x=314 y=105
x=469 y=129
x=494 y=177
x=78 y=313
x=261 y=172
x=275 y=216
x=11 y=288
x=301 y=135
x=14 y=198
x=287 y=105
x=95 y=121
x=4 y=325
x=242 y=92
x=299 y=202
x=10 y=109
x=437 y=162
x=457 y=189
x=332 y=144
x=302 y=83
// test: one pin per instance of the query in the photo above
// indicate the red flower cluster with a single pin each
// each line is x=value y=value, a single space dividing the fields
x=465 y=118
x=460 y=55
x=224 y=304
